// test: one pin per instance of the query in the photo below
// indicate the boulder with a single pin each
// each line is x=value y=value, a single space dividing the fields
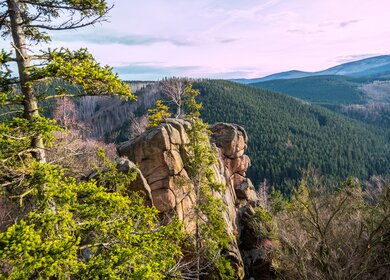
x=230 y=138
x=237 y=179
x=239 y=164
x=247 y=191
x=160 y=154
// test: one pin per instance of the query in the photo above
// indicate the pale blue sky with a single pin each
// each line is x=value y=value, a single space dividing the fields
x=150 y=39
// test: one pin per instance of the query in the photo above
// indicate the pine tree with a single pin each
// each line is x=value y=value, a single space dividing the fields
x=210 y=239
x=158 y=114
x=66 y=228
x=25 y=23
x=87 y=230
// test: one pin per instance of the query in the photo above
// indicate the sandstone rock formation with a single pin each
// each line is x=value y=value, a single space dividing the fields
x=232 y=141
x=161 y=154
x=140 y=184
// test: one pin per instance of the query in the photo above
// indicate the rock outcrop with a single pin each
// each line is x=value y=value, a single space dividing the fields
x=232 y=141
x=160 y=155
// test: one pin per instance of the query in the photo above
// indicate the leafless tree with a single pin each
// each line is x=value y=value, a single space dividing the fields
x=65 y=112
x=138 y=125
x=337 y=235
x=263 y=192
x=72 y=148
x=76 y=154
x=173 y=89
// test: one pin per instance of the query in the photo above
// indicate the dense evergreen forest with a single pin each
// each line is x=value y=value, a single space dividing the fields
x=319 y=89
x=365 y=99
x=286 y=135
x=172 y=206
x=375 y=114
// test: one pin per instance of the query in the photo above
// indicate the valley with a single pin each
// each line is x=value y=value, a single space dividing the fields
x=287 y=135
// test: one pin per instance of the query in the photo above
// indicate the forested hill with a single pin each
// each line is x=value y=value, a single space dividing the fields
x=286 y=134
x=329 y=90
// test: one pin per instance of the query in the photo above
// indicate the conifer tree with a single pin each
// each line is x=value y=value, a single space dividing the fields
x=26 y=23
x=65 y=228
x=87 y=230
x=210 y=227
x=158 y=114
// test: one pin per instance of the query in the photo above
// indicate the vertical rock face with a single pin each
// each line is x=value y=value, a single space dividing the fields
x=160 y=154
x=232 y=141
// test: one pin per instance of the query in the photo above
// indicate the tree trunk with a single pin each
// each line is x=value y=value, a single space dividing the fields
x=30 y=102
x=178 y=111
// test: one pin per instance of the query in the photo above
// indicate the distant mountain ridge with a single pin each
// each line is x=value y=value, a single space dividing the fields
x=378 y=66
x=360 y=68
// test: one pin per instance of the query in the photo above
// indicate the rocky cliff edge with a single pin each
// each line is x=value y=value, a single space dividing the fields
x=160 y=155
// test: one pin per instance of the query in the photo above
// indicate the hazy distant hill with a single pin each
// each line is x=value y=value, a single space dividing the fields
x=375 y=67
x=334 y=90
x=283 y=75
x=361 y=68
x=359 y=89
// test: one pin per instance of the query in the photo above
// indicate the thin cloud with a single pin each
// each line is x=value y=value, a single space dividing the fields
x=348 y=22
x=339 y=23
x=297 y=31
x=157 y=69
x=236 y=15
x=228 y=40
x=349 y=58
x=128 y=40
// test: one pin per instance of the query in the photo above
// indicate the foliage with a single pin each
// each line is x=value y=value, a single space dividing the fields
x=87 y=230
x=15 y=148
x=79 y=69
x=286 y=135
x=356 y=98
x=334 y=235
x=210 y=236
x=158 y=114
x=261 y=224
x=25 y=23
x=277 y=201
x=65 y=228
x=377 y=114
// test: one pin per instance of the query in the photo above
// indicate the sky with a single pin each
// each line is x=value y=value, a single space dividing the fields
x=152 y=39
